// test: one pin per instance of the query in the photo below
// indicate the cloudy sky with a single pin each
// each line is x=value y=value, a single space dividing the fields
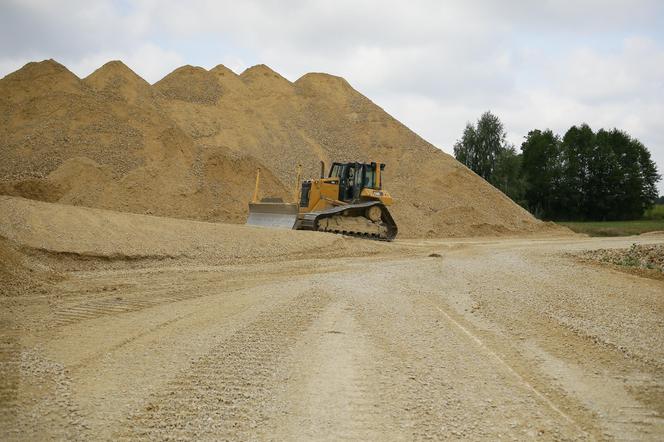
x=434 y=65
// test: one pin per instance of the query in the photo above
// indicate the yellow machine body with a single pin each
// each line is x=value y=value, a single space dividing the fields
x=350 y=200
x=324 y=194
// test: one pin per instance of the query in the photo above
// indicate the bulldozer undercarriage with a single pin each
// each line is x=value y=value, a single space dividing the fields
x=367 y=220
x=353 y=225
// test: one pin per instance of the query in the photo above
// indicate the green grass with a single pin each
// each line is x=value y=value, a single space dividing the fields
x=657 y=212
x=616 y=228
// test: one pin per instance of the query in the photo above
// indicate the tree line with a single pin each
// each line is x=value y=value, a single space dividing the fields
x=583 y=175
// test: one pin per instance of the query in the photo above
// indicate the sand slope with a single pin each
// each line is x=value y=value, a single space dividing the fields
x=188 y=146
x=87 y=233
x=103 y=142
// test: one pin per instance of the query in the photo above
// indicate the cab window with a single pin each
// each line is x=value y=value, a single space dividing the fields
x=369 y=177
x=335 y=171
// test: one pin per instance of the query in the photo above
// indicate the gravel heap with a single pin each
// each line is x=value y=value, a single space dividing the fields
x=188 y=146
x=649 y=257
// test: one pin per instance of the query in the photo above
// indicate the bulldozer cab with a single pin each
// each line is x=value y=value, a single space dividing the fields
x=353 y=177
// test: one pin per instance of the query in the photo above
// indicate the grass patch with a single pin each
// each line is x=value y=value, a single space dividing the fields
x=616 y=228
x=657 y=212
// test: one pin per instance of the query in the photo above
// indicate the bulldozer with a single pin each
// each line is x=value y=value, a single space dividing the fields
x=350 y=201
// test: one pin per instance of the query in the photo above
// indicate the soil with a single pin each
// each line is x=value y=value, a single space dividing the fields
x=163 y=329
x=189 y=145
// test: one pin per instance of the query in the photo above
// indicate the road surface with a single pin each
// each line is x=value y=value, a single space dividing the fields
x=486 y=339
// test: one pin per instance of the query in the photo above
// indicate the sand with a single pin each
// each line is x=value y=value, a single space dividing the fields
x=188 y=146
x=64 y=234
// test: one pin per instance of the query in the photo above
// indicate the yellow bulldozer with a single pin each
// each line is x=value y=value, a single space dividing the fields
x=350 y=201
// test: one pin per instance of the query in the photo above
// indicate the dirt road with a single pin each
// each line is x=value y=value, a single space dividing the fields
x=495 y=339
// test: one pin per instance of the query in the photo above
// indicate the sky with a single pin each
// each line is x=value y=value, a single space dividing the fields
x=433 y=65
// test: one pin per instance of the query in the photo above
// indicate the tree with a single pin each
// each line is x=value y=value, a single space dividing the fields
x=576 y=147
x=649 y=176
x=507 y=175
x=603 y=186
x=606 y=175
x=541 y=171
x=481 y=145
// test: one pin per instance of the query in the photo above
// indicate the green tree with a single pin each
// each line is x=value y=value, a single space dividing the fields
x=481 y=145
x=606 y=175
x=603 y=190
x=648 y=174
x=576 y=151
x=541 y=170
x=507 y=175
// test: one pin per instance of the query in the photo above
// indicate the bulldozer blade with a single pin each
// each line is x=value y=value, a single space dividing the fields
x=273 y=214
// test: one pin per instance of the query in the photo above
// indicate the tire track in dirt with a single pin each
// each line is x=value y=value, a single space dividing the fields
x=330 y=390
x=222 y=394
x=444 y=384
x=507 y=367
x=555 y=334
x=9 y=375
x=112 y=306
x=113 y=378
x=146 y=294
x=53 y=415
x=156 y=289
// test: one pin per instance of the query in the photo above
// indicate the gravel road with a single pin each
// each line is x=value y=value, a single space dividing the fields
x=486 y=339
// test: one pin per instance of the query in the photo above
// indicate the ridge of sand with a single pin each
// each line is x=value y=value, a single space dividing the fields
x=188 y=146
x=264 y=81
x=190 y=84
x=87 y=233
x=318 y=84
x=117 y=81
x=37 y=79
x=230 y=81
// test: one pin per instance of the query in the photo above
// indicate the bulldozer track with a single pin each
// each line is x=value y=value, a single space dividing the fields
x=137 y=298
x=358 y=235
x=112 y=306
x=342 y=400
x=222 y=394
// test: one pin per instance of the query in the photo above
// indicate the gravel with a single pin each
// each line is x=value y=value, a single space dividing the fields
x=650 y=257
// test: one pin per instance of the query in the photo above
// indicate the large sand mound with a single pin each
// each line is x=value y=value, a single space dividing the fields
x=188 y=146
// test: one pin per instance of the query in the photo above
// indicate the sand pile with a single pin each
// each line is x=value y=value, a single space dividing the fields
x=82 y=233
x=188 y=146
x=104 y=142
